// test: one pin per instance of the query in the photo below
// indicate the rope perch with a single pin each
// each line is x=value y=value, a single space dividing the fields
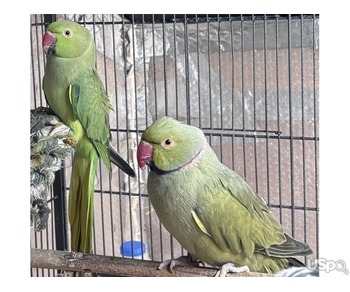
x=48 y=149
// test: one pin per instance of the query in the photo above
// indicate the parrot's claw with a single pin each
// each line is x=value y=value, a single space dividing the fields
x=180 y=261
x=231 y=268
x=70 y=140
x=168 y=263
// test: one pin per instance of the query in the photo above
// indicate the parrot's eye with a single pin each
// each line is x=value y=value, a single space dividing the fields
x=68 y=33
x=168 y=143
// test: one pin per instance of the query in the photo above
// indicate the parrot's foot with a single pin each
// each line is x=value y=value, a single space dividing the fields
x=180 y=261
x=231 y=268
x=70 y=140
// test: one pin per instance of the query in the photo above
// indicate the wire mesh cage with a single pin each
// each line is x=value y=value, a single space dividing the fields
x=250 y=82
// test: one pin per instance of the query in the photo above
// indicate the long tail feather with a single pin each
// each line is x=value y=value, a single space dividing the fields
x=81 y=201
x=293 y=262
x=120 y=162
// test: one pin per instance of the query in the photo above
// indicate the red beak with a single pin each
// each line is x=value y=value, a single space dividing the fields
x=49 y=41
x=144 y=154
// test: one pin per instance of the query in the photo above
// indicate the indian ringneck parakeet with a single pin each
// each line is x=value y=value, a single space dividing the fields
x=77 y=96
x=209 y=208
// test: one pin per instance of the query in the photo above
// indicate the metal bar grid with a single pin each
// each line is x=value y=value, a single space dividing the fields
x=249 y=81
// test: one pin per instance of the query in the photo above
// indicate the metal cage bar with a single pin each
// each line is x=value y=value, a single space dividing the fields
x=250 y=82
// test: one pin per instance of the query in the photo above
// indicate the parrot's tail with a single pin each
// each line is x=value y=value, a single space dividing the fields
x=81 y=200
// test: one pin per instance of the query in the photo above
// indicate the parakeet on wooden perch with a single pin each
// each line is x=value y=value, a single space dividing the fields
x=209 y=208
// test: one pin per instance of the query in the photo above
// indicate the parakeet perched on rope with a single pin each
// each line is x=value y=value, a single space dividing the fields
x=209 y=208
x=77 y=96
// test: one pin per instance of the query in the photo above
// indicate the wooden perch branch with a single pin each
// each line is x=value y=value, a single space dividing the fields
x=75 y=261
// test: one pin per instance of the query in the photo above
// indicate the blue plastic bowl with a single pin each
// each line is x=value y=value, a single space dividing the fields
x=132 y=248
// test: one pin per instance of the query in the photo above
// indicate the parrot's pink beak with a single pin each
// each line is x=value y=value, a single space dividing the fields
x=144 y=154
x=49 y=42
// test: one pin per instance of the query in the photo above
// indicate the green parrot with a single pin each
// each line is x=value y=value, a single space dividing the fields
x=77 y=96
x=209 y=208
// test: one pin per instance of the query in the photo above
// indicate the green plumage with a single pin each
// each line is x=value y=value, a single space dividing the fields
x=76 y=94
x=209 y=208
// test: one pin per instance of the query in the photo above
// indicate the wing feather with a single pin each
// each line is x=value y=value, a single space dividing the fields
x=91 y=106
x=238 y=218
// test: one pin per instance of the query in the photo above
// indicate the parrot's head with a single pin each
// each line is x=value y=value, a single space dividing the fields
x=66 y=39
x=168 y=145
